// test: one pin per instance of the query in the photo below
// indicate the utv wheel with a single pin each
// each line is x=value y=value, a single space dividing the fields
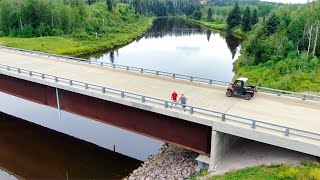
x=229 y=93
x=247 y=96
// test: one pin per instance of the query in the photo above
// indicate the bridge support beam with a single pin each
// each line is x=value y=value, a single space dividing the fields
x=220 y=144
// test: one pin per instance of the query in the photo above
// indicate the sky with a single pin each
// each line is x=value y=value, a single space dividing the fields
x=287 y=1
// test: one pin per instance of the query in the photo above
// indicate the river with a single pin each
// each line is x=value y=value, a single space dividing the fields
x=98 y=150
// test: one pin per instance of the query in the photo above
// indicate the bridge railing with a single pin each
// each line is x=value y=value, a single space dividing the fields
x=304 y=96
x=192 y=110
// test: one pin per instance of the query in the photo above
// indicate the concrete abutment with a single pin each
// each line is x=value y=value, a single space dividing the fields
x=220 y=144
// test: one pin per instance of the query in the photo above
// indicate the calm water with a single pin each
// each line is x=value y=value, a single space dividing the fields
x=19 y=138
x=30 y=151
x=175 y=46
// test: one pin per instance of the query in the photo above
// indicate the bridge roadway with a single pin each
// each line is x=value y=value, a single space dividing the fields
x=289 y=112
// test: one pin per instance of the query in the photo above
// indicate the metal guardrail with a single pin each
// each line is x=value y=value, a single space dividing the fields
x=278 y=92
x=252 y=123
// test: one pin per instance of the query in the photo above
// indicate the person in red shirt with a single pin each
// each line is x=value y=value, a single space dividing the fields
x=174 y=98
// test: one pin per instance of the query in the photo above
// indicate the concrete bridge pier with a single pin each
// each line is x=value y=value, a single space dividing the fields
x=220 y=144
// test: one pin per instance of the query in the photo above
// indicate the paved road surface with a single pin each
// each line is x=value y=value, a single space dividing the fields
x=279 y=110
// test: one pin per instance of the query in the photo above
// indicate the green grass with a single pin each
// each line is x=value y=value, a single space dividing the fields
x=306 y=171
x=75 y=46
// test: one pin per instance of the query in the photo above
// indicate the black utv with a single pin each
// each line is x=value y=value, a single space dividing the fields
x=241 y=88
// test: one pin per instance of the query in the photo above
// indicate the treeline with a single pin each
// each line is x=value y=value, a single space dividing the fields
x=165 y=7
x=284 y=50
x=34 y=18
x=238 y=16
x=246 y=19
x=232 y=2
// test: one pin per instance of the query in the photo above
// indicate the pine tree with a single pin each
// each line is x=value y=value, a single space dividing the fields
x=246 y=20
x=209 y=15
x=109 y=4
x=272 y=24
x=234 y=18
x=254 y=18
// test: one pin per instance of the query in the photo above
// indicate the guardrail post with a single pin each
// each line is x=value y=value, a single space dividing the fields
x=191 y=78
x=304 y=97
x=101 y=64
x=253 y=126
x=223 y=117
x=114 y=66
x=173 y=76
x=42 y=76
x=141 y=70
x=191 y=110
x=157 y=73
x=122 y=94
x=103 y=90
x=127 y=68
x=58 y=102
x=287 y=132
x=56 y=79
x=143 y=99
x=8 y=68
x=30 y=73
x=210 y=82
x=86 y=86
x=19 y=71
x=70 y=82
x=166 y=104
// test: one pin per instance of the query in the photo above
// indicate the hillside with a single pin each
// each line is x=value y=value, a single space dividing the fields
x=283 y=51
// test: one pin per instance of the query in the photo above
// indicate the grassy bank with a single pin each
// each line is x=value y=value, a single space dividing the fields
x=70 y=45
x=310 y=171
x=237 y=32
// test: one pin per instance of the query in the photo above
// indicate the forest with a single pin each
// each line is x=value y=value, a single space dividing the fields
x=282 y=51
x=35 y=18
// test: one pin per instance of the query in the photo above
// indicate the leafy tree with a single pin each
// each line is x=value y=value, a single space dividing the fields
x=254 y=18
x=234 y=18
x=209 y=18
x=246 y=20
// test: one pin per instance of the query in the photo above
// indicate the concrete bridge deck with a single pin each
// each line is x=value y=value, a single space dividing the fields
x=294 y=113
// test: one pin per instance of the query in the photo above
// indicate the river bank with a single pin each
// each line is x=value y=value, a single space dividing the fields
x=68 y=45
x=171 y=163
x=219 y=27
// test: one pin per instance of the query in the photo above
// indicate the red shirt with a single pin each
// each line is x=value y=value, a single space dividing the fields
x=174 y=96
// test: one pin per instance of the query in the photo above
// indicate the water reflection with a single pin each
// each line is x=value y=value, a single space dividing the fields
x=177 y=46
x=127 y=143
x=35 y=152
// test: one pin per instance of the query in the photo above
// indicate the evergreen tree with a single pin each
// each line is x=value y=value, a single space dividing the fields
x=209 y=15
x=254 y=18
x=197 y=15
x=109 y=4
x=234 y=18
x=272 y=24
x=246 y=20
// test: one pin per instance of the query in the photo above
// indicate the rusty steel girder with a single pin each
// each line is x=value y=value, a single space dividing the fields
x=172 y=130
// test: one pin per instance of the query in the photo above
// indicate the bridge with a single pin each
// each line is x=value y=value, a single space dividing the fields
x=138 y=100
